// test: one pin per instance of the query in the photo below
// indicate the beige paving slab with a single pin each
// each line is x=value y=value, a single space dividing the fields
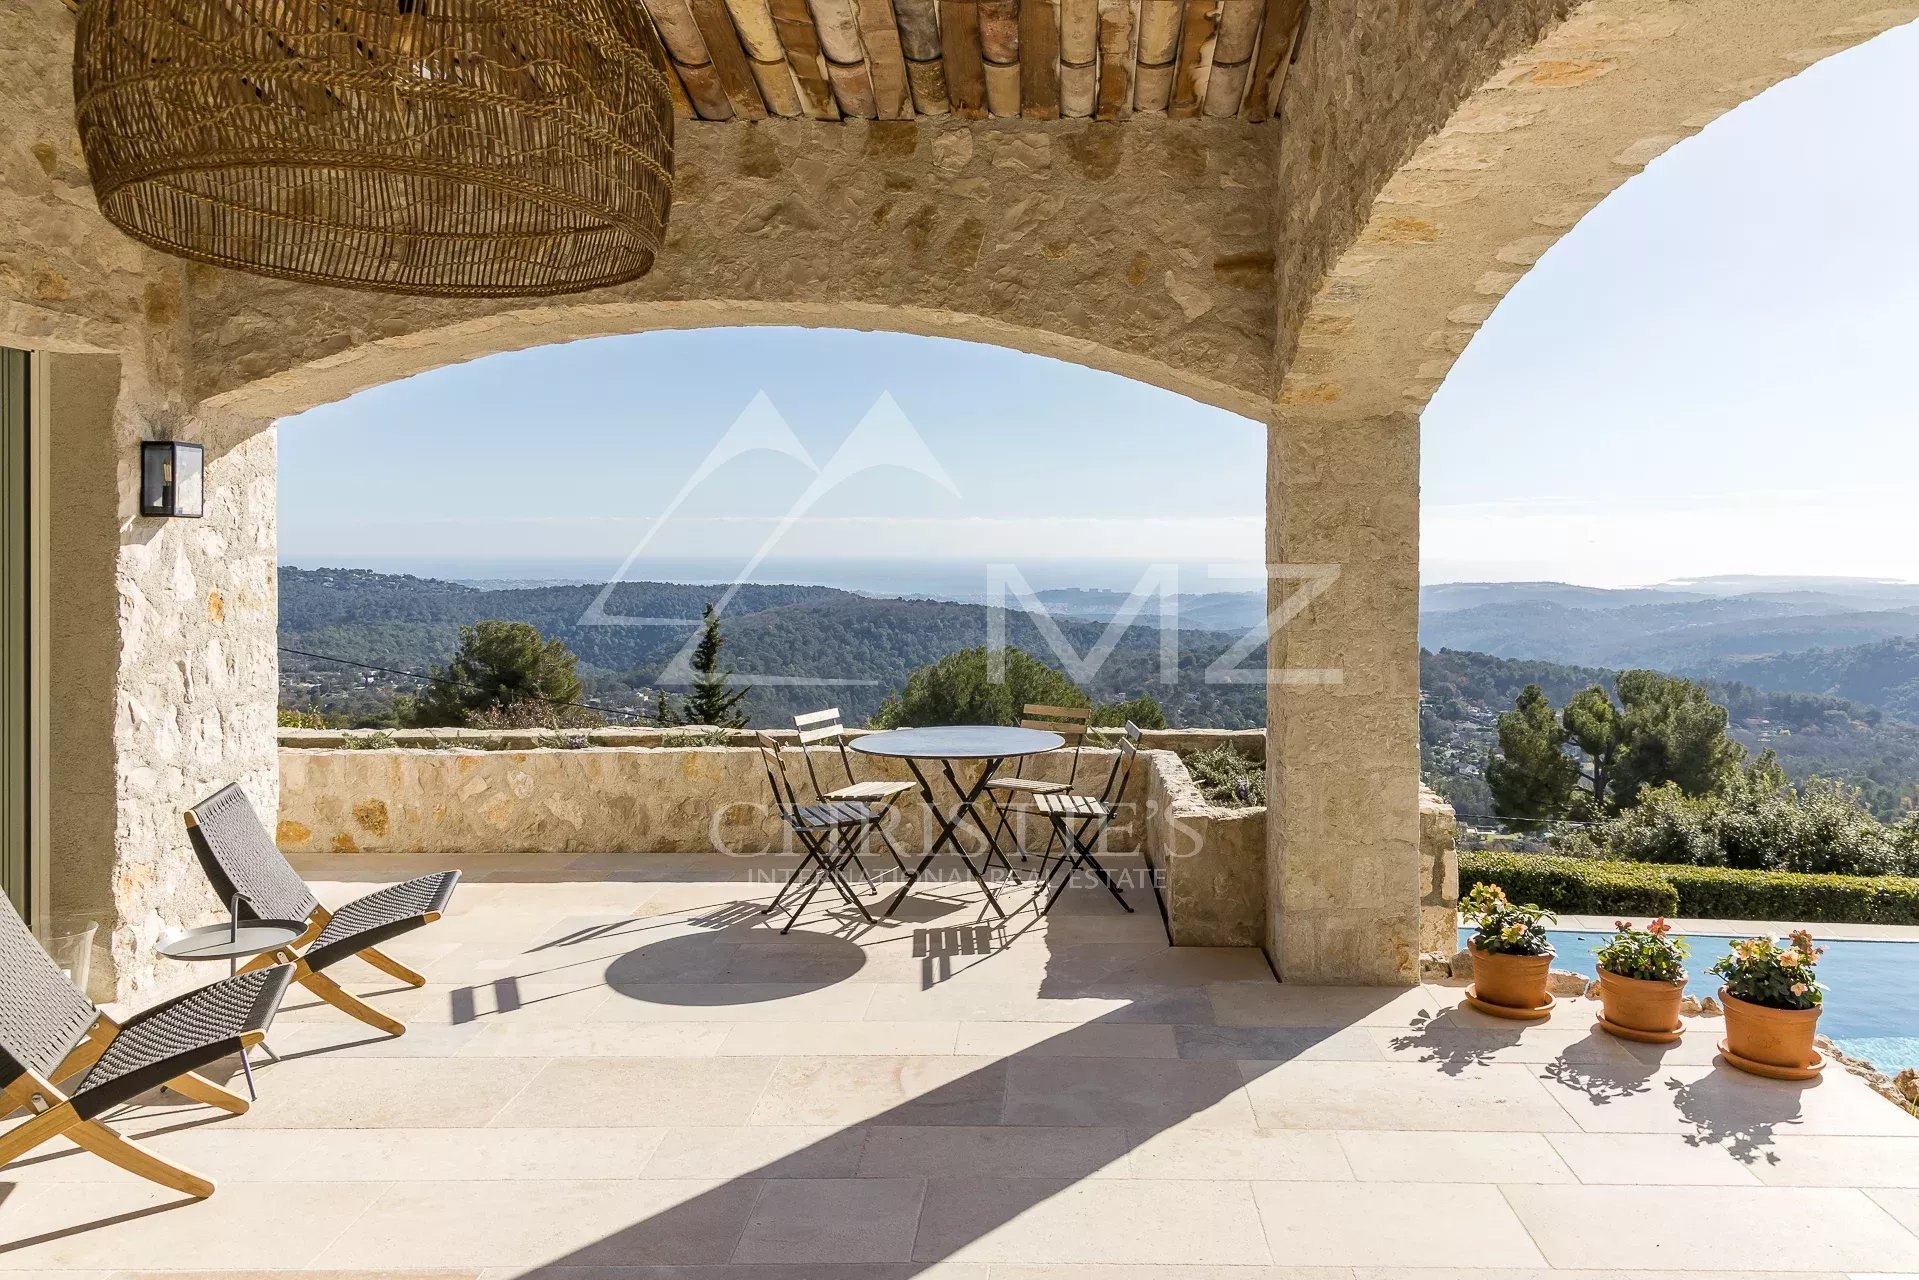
x=993 y=1151
x=1446 y=1040
x=528 y=1222
x=1278 y=1044
x=1050 y=1040
x=1724 y=1228
x=736 y=1002
x=1288 y=1005
x=1122 y=1271
x=640 y=1092
x=435 y=1273
x=1452 y=1157
x=328 y=1092
x=991 y=1001
x=1656 y=1159
x=1400 y=1095
x=1392 y=1224
x=839 y=1221
x=1194 y=1152
x=231 y=1155
x=757 y=1151
x=915 y=1090
x=242 y=1225
x=1582 y=1273
x=1144 y=1093
x=776 y=1039
x=1718 y=1104
x=1901 y=1204
x=1117 y=1221
x=508 y=1039
x=1793 y=1161
x=751 y=1271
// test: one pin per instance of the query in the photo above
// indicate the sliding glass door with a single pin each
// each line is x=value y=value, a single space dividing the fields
x=15 y=629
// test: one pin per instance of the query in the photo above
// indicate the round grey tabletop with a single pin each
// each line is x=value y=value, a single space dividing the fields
x=224 y=942
x=958 y=742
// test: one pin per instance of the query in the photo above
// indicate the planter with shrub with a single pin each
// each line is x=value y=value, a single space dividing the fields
x=1772 y=998
x=1512 y=959
x=1642 y=973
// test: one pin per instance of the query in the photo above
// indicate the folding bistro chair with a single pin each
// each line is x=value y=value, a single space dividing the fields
x=1079 y=823
x=827 y=832
x=243 y=863
x=1013 y=792
x=816 y=727
x=49 y=1033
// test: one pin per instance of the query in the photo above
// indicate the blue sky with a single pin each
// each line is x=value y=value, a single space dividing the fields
x=1712 y=373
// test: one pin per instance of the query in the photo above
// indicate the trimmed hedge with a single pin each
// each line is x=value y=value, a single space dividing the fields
x=1589 y=886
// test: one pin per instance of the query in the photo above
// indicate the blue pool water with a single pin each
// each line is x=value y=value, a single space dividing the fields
x=1872 y=989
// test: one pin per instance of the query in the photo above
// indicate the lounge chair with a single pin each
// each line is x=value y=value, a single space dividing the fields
x=49 y=1034
x=244 y=864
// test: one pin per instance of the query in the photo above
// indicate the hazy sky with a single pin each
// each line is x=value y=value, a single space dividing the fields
x=1713 y=373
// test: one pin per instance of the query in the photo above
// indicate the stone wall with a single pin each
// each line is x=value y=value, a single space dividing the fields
x=1211 y=860
x=1438 y=876
x=1146 y=250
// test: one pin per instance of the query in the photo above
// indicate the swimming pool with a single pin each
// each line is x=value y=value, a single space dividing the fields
x=1872 y=989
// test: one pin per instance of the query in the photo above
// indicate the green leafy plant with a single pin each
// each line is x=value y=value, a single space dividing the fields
x=1506 y=927
x=1228 y=778
x=1760 y=971
x=1651 y=954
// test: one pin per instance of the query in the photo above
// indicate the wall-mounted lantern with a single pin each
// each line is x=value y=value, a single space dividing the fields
x=171 y=479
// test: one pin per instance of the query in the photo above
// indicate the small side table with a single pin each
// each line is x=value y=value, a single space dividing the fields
x=234 y=941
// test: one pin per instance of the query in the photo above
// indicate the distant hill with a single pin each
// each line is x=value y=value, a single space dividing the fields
x=1884 y=674
x=407 y=624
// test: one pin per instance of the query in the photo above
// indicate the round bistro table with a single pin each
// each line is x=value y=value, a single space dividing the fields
x=989 y=745
x=233 y=941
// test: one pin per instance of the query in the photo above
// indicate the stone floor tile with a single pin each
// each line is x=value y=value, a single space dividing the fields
x=1278 y=1044
x=1263 y=1155
x=984 y=1001
x=1380 y=1156
x=1901 y=1204
x=1392 y=1224
x=1097 y=1221
x=1143 y=1093
x=1447 y=1041
x=1650 y=1159
x=527 y=1222
x=1719 y=1105
x=1724 y=1228
x=777 y=1039
x=993 y=1151
x=1237 y=1004
x=508 y=1039
x=846 y=1220
x=757 y=1151
x=1792 y=1161
x=1124 y=1271
x=1050 y=1040
x=241 y=1226
x=753 y=1271
x=919 y=1090
x=1400 y=1095
x=327 y=1092
x=1581 y=1273
x=641 y=1092
x=736 y=1002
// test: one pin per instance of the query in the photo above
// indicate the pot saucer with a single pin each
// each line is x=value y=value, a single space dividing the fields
x=1643 y=1037
x=1771 y=1072
x=1508 y=1011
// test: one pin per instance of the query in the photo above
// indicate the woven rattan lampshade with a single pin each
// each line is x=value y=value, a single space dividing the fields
x=448 y=147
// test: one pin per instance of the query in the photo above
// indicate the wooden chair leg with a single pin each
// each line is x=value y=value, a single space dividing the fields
x=393 y=968
x=334 y=994
x=88 y=1051
x=110 y=1146
x=202 y=1090
x=29 y=1134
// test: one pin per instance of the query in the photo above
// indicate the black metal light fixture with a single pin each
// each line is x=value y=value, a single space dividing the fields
x=172 y=479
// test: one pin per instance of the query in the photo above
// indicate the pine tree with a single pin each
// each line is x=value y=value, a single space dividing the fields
x=711 y=702
x=1531 y=777
x=663 y=710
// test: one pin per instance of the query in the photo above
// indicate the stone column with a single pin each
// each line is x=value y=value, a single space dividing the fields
x=1342 y=751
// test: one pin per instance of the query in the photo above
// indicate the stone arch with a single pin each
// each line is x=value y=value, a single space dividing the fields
x=1553 y=132
x=382 y=360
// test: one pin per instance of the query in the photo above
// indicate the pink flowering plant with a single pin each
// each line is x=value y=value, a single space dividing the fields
x=1760 y=971
x=1651 y=954
x=1506 y=927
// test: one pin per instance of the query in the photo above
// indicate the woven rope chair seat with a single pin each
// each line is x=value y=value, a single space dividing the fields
x=367 y=921
x=180 y=1035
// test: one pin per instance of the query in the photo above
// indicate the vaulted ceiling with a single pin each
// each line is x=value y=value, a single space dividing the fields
x=1032 y=59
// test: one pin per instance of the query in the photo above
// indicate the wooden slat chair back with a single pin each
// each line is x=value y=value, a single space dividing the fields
x=1070 y=723
x=828 y=832
x=1011 y=792
x=823 y=728
x=246 y=868
x=50 y=1033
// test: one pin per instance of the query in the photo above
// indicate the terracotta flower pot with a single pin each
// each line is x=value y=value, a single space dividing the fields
x=1640 y=1008
x=1511 y=982
x=1768 y=1041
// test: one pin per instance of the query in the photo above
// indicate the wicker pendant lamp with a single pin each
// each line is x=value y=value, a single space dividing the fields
x=461 y=148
